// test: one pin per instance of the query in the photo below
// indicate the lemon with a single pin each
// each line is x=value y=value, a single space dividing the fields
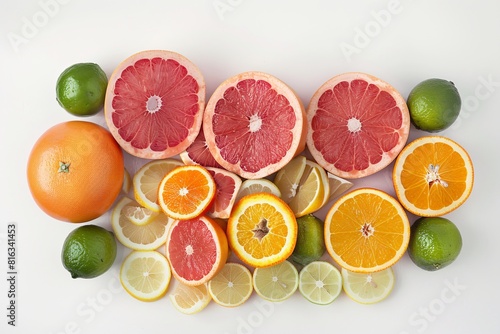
x=232 y=286
x=434 y=104
x=434 y=243
x=190 y=299
x=276 y=283
x=81 y=88
x=88 y=251
x=368 y=288
x=252 y=186
x=310 y=244
x=320 y=282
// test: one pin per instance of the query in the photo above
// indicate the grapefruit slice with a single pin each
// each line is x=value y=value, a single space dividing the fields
x=254 y=124
x=227 y=185
x=199 y=154
x=154 y=104
x=358 y=124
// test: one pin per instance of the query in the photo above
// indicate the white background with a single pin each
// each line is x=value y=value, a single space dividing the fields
x=303 y=43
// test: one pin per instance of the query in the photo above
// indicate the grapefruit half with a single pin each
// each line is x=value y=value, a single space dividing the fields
x=154 y=104
x=358 y=124
x=254 y=124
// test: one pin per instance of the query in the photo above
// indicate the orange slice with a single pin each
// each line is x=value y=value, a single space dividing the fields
x=262 y=230
x=366 y=230
x=197 y=250
x=186 y=192
x=433 y=176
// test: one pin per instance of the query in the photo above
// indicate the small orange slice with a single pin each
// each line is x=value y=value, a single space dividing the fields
x=433 y=176
x=366 y=230
x=262 y=230
x=186 y=192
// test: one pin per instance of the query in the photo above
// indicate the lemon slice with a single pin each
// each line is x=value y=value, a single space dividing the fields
x=127 y=181
x=368 y=288
x=190 y=299
x=276 y=283
x=320 y=282
x=138 y=237
x=338 y=186
x=288 y=178
x=145 y=275
x=232 y=286
x=324 y=181
x=252 y=186
x=139 y=215
x=148 y=178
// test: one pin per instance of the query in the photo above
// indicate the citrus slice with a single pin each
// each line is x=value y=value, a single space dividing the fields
x=304 y=185
x=154 y=104
x=186 y=192
x=227 y=185
x=145 y=275
x=320 y=282
x=262 y=230
x=433 y=176
x=138 y=237
x=232 y=286
x=190 y=299
x=147 y=179
x=139 y=215
x=127 y=182
x=254 y=124
x=366 y=230
x=197 y=250
x=257 y=186
x=357 y=125
x=368 y=288
x=338 y=186
x=198 y=153
x=276 y=283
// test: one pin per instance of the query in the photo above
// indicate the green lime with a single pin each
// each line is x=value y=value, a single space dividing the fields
x=310 y=244
x=88 y=251
x=81 y=88
x=434 y=105
x=434 y=243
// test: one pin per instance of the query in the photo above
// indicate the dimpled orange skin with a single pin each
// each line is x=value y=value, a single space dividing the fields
x=75 y=171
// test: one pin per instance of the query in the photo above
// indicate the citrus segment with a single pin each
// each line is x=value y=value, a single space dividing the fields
x=227 y=185
x=262 y=230
x=186 y=192
x=190 y=299
x=320 y=282
x=338 y=186
x=287 y=179
x=368 y=288
x=154 y=104
x=433 y=176
x=147 y=179
x=357 y=125
x=138 y=237
x=198 y=153
x=257 y=186
x=127 y=182
x=139 y=215
x=232 y=286
x=276 y=283
x=254 y=124
x=197 y=250
x=145 y=275
x=366 y=230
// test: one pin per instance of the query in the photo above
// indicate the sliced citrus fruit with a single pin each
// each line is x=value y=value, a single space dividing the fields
x=146 y=237
x=366 y=230
x=145 y=275
x=368 y=288
x=276 y=283
x=147 y=179
x=320 y=282
x=262 y=230
x=304 y=185
x=186 y=192
x=154 y=104
x=127 y=181
x=198 y=153
x=257 y=186
x=338 y=186
x=254 y=124
x=197 y=250
x=357 y=125
x=227 y=185
x=232 y=286
x=433 y=176
x=139 y=215
x=190 y=299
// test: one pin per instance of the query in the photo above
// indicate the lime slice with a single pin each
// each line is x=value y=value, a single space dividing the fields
x=320 y=282
x=276 y=283
x=368 y=288
x=232 y=286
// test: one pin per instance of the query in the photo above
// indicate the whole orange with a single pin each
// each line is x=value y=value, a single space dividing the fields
x=75 y=171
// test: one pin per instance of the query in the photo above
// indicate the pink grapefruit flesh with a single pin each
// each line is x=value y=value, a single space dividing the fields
x=154 y=104
x=198 y=153
x=227 y=186
x=358 y=124
x=254 y=124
